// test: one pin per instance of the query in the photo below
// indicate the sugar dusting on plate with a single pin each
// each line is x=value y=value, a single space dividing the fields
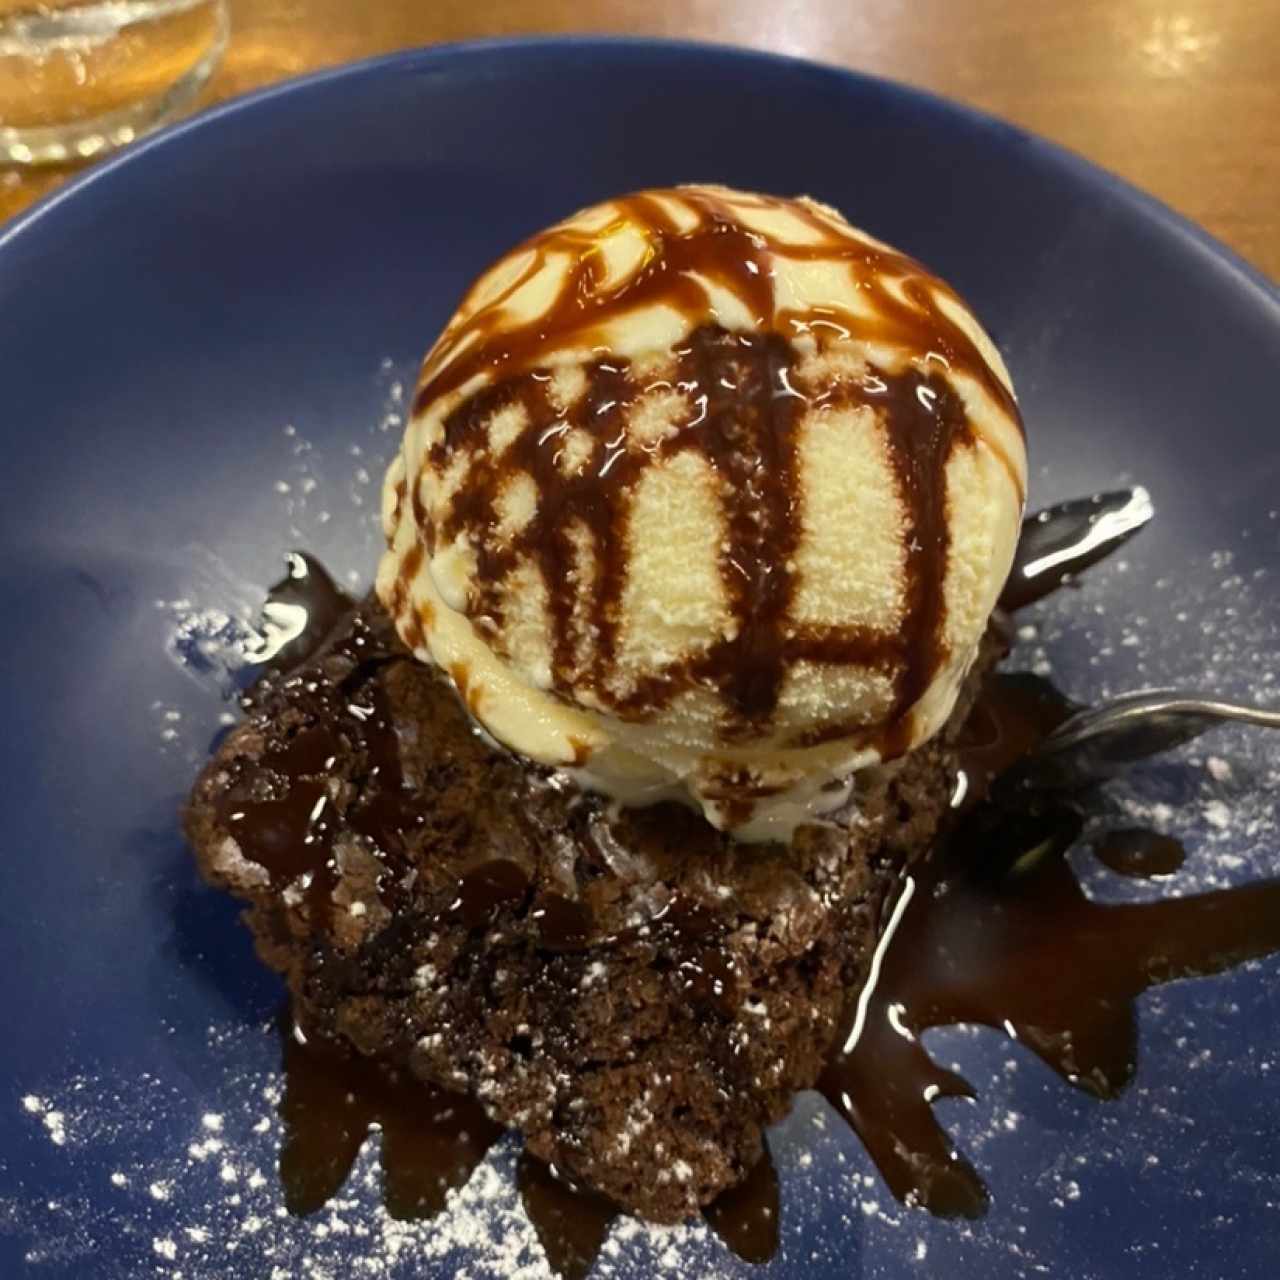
x=209 y=1203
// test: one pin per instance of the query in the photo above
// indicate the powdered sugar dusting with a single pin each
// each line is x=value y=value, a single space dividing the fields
x=150 y=1185
x=319 y=487
x=1214 y=634
x=326 y=501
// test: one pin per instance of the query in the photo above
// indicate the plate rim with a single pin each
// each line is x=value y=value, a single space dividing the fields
x=1236 y=275
x=424 y=58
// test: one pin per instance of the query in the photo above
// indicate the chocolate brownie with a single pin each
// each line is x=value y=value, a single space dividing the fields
x=636 y=993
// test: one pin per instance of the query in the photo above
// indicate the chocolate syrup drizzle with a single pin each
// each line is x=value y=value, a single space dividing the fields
x=571 y=1222
x=432 y=1140
x=290 y=831
x=746 y=395
x=333 y=1097
x=992 y=927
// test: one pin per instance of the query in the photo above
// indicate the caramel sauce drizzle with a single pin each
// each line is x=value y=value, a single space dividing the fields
x=746 y=398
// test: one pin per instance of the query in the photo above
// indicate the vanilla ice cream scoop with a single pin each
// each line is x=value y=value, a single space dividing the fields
x=706 y=494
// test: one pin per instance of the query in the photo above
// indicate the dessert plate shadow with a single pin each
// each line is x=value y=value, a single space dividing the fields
x=205 y=349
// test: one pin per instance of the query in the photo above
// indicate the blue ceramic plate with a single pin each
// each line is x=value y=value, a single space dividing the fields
x=202 y=348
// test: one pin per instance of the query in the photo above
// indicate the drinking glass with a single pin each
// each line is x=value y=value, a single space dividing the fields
x=79 y=77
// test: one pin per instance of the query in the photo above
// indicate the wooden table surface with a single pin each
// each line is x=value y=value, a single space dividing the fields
x=1182 y=99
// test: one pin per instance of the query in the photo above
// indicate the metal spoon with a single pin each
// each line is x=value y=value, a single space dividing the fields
x=1102 y=741
x=1061 y=540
